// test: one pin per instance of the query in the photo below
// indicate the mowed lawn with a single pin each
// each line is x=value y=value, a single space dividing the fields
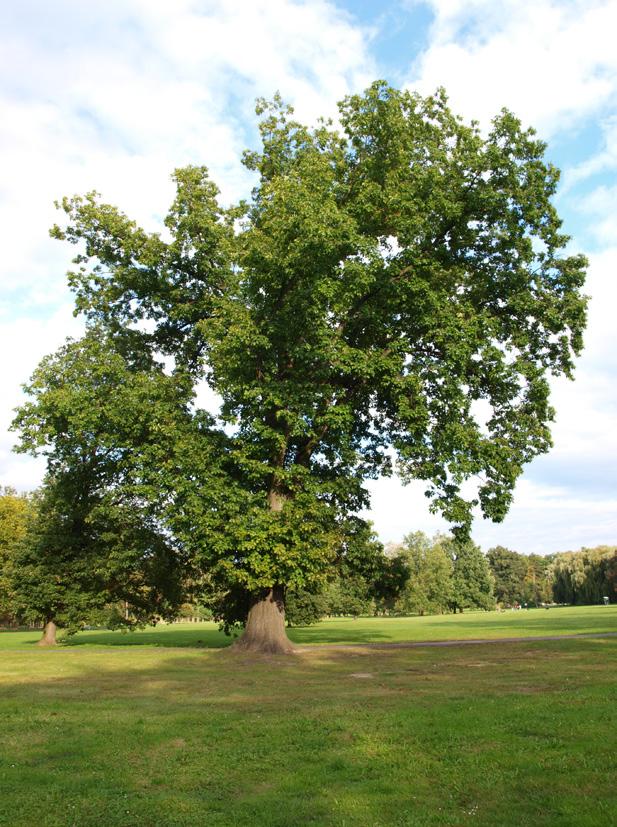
x=510 y=734
x=466 y=626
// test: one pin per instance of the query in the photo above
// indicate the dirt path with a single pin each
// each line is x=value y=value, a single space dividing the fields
x=311 y=647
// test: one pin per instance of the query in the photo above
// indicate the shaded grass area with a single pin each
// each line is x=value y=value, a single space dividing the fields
x=524 y=623
x=518 y=734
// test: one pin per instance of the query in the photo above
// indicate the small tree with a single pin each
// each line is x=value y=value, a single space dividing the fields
x=15 y=512
x=537 y=585
x=303 y=608
x=53 y=561
x=509 y=570
x=429 y=589
x=84 y=551
x=472 y=581
x=99 y=534
x=378 y=283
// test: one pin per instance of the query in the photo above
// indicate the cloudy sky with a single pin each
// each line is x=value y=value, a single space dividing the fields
x=113 y=96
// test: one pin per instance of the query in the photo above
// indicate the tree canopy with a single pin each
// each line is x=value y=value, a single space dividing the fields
x=396 y=288
x=585 y=576
x=15 y=513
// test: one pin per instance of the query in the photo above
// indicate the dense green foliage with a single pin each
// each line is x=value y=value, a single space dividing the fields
x=579 y=577
x=509 y=570
x=99 y=537
x=521 y=579
x=15 y=512
x=302 y=608
x=429 y=588
x=585 y=576
x=89 y=558
x=444 y=575
x=472 y=582
x=380 y=282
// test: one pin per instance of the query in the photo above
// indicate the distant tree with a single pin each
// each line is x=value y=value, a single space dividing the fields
x=537 y=585
x=429 y=588
x=349 y=596
x=15 y=512
x=584 y=576
x=390 y=582
x=381 y=280
x=375 y=578
x=472 y=581
x=509 y=570
x=303 y=608
x=611 y=577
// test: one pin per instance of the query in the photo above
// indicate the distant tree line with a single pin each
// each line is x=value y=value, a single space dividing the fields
x=70 y=558
x=583 y=577
x=521 y=579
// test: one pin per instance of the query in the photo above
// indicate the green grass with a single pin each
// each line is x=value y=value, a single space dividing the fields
x=510 y=735
x=470 y=625
x=150 y=736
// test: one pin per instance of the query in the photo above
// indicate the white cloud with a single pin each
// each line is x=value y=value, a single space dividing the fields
x=603 y=162
x=113 y=97
x=598 y=206
x=397 y=509
x=23 y=342
x=589 y=403
x=552 y=62
x=545 y=519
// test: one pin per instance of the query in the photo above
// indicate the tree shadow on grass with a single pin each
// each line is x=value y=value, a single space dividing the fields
x=214 y=639
x=208 y=737
x=326 y=738
x=165 y=637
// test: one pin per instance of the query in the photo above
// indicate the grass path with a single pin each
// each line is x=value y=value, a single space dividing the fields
x=414 y=644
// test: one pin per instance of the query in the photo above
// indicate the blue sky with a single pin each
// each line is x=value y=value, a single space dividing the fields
x=114 y=96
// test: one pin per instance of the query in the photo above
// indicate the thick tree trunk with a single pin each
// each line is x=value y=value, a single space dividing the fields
x=264 y=632
x=265 y=626
x=49 y=634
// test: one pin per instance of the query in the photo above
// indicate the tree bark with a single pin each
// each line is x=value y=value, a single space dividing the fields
x=49 y=634
x=265 y=626
x=264 y=632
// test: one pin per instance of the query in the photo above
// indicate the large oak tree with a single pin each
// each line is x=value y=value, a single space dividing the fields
x=393 y=290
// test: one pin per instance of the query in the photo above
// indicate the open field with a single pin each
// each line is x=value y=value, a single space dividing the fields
x=522 y=733
x=470 y=625
x=519 y=734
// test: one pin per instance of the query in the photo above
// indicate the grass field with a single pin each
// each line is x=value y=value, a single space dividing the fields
x=471 y=625
x=160 y=732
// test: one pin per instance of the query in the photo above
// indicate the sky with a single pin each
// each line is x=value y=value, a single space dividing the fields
x=113 y=96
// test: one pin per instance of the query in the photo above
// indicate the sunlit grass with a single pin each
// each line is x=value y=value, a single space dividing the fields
x=470 y=625
x=504 y=735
